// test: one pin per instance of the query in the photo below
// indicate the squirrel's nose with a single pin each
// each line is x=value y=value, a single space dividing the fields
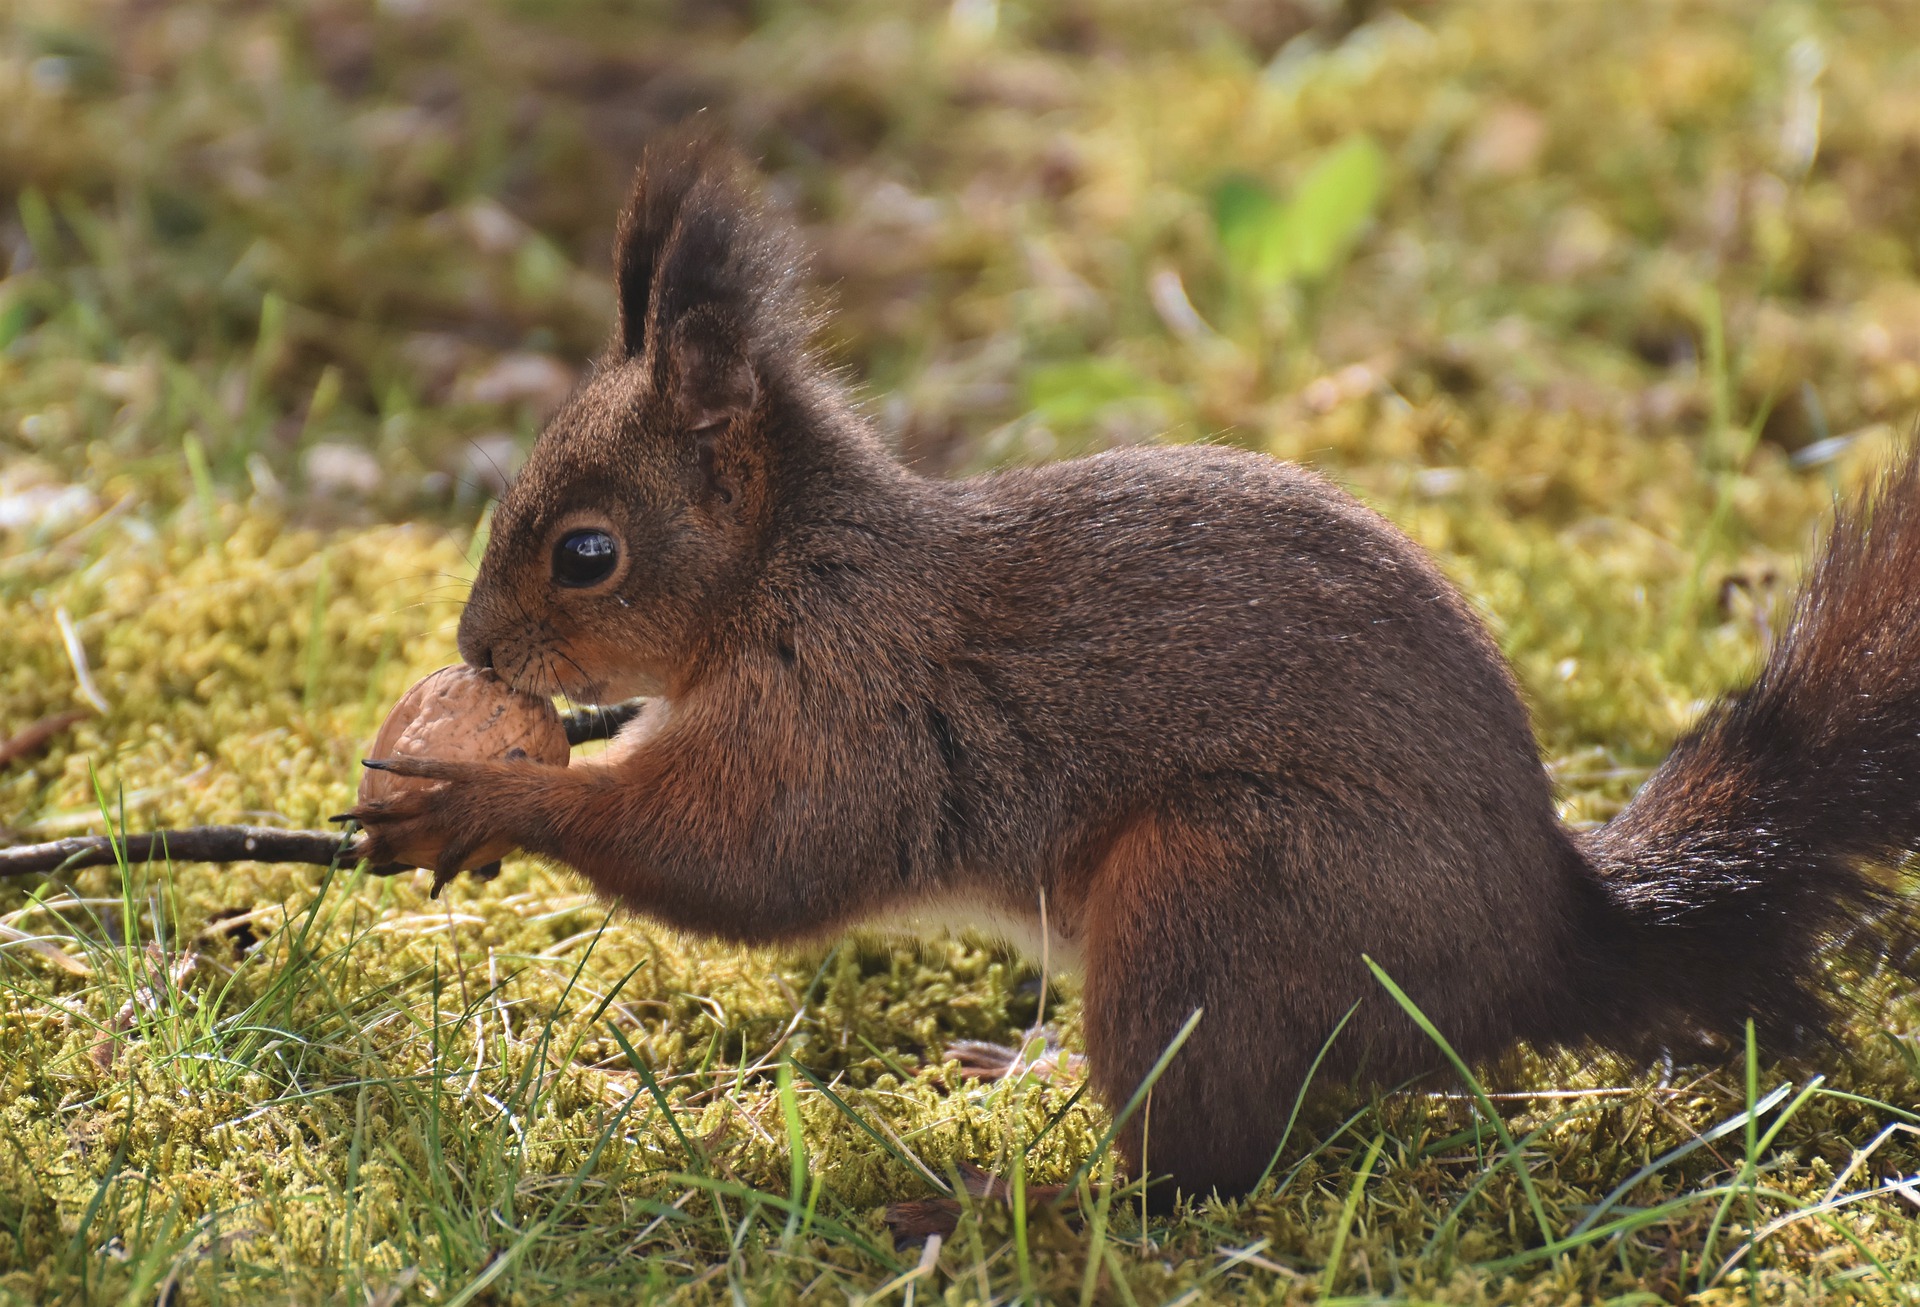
x=476 y=649
x=475 y=654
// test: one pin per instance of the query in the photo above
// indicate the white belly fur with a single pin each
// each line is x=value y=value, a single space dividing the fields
x=1055 y=952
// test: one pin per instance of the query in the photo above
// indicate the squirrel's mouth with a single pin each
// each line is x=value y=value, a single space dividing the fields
x=543 y=673
x=553 y=672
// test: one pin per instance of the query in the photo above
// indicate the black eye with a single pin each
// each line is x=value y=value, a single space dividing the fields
x=584 y=557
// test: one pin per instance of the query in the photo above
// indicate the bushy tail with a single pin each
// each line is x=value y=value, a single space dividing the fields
x=1766 y=837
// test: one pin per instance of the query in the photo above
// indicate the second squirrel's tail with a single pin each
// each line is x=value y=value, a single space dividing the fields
x=1765 y=837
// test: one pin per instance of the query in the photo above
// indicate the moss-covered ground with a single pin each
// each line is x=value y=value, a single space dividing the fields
x=1602 y=302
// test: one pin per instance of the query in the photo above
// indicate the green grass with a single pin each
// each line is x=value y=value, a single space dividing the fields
x=1574 y=293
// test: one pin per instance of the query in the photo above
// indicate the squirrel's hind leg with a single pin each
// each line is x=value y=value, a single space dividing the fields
x=1188 y=912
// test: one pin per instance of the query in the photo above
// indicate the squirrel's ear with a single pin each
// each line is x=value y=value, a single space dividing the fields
x=712 y=377
x=660 y=186
x=695 y=238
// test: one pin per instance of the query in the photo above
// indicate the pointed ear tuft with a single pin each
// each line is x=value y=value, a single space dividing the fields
x=713 y=379
x=660 y=186
x=694 y=235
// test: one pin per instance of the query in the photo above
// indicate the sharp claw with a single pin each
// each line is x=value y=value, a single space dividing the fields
x=343 y=816
x=377 y=764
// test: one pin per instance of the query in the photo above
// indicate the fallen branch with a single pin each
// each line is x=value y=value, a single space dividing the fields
x=319 y=848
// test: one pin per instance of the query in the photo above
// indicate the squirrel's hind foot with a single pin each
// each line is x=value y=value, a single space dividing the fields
x=981 y=1059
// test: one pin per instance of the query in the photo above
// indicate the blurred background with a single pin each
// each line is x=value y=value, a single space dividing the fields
x=351 y=253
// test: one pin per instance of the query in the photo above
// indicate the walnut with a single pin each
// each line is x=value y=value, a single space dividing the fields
x=462 y=713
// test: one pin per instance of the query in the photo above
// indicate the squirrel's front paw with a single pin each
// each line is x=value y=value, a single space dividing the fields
x=451 y=824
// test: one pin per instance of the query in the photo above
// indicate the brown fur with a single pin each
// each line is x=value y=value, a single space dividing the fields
x=1236 y=728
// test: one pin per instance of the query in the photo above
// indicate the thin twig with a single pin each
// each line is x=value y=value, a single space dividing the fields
x=320 y=848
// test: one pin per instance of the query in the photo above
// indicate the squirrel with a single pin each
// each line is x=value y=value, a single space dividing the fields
x=1234 y=729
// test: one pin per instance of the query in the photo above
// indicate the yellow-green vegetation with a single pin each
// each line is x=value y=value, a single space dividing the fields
x=1602 y=302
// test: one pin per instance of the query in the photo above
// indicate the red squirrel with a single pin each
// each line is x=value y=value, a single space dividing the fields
x=1238 y=730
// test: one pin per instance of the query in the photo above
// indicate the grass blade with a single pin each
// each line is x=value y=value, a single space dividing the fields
x=695 y=1154
x=1125 y=1114
x=1330 y=1277
x=1512 y=1154
x=1667 y=1159
x=1300 y=1097
x=796 y=1146
x=886 y=1145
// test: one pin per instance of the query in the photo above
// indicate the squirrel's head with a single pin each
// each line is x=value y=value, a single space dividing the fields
x=647 y=499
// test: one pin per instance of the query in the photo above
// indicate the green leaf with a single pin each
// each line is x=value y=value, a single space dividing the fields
x=1271 y=244
x=1248 y=223
x=1333 y=205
